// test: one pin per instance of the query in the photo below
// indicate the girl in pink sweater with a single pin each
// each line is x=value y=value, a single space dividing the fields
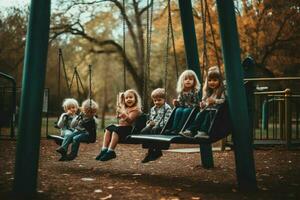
x=128 y=109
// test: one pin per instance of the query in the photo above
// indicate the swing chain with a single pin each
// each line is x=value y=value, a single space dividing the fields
x=90 y=83
x=124 y=45
x=146 y=70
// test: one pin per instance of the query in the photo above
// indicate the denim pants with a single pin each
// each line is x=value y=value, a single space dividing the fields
x=75 y=138
x=181 y=115
x=202 y=121
x=65 y=132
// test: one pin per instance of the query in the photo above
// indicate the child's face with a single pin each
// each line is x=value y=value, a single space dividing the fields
x=72 y=109
x=158 y=102
x=188 y=82
x=213 y=83
x=129 y=99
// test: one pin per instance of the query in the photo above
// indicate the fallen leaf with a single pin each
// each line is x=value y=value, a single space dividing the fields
x=107 y=197
x=136 y=174
x=98 y=191
x=88 y=179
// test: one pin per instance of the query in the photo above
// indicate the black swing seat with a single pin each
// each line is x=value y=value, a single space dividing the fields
x=57 y=139
x=220 y=127
x=91 y=128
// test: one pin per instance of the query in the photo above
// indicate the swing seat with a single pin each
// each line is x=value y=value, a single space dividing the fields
x=58 y=139
x=220 y=128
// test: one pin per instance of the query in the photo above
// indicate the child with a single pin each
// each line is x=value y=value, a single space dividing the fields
x=70 y=107
x=128 y=109
x=84 y=126
x=213 y=95
x=159 y=114
x=188 y=87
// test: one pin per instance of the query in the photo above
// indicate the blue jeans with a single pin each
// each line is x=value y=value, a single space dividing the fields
x=181 y=115
x=65 y=132
x=75 y=138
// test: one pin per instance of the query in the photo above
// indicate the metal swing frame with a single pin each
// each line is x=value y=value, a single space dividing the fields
x=27 y=152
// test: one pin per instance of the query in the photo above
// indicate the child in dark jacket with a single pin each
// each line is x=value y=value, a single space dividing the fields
x=84 y=126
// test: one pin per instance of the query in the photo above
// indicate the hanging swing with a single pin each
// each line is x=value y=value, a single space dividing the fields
x=140 y=122
x=220 y=124
x=92 y=132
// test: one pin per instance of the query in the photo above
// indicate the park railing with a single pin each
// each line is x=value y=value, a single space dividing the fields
x=276 y=117
x=276 y=111
x=9 y=110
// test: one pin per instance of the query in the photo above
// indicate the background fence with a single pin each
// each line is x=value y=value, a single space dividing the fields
x=276 y=111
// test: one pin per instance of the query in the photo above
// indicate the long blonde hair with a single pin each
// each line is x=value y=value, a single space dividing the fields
x=121 y=99
x=183 y=76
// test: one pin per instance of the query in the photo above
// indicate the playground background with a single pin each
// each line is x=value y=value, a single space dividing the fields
x=175 y=176
x=268 y=31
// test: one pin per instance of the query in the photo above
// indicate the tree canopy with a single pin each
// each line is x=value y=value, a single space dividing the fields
x=111 y=35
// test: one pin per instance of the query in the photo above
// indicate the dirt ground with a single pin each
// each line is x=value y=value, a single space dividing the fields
x=174 y=176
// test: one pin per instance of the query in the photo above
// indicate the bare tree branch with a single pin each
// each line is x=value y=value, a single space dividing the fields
x=146 y=8
x=272 y=46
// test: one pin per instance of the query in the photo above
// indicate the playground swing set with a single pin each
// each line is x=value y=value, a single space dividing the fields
x=92 y=132
x=27 y=156
x=220 y=124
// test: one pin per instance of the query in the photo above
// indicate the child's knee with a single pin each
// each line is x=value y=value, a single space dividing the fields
x=77 y=138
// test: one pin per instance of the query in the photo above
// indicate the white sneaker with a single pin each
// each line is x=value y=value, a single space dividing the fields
x=201 y=134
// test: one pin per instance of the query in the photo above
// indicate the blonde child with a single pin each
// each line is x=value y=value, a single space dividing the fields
x=70 y=107
x=128 y=109
x=159 y=114
x=84 y=126
x=213 y=95
x=188 y=89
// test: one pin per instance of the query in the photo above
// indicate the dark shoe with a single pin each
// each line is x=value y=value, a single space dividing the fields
x=202 y=135
x=71 y=156
x=152 y=155
x=102 y=152
x=108 y=156
x=186 y=133
x=62 y=151
x=63 y=158
x=147 y=157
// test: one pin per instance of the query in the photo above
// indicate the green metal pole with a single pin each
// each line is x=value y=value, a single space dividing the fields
x=27 y=155
x=245 y=168
x=189 y=36
x=192 y=57
x=248 y=67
